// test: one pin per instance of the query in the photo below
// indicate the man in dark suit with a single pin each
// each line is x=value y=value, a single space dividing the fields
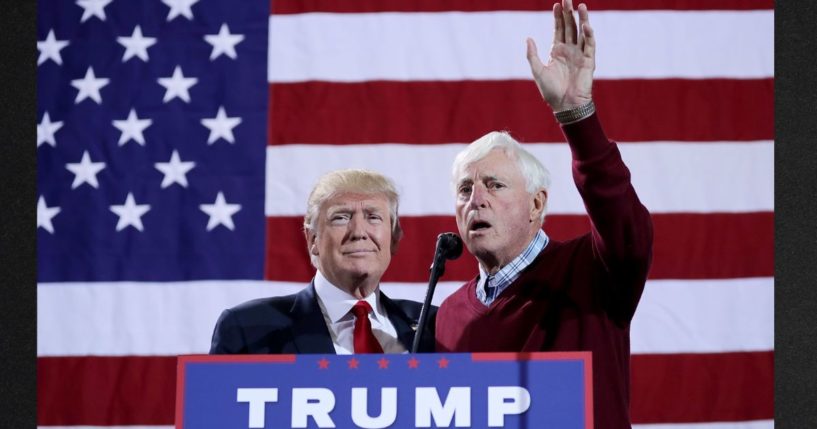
x=352 y=230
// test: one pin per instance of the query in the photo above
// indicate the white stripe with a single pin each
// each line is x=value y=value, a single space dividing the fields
x=681 y=316
x=752 y=424
x=355 y=47
x=115 y=319
x=668 y=177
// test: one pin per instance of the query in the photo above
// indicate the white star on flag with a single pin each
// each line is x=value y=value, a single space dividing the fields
x=180 y=7
x=85 y=171
x=93 y=8
x=132 y=128
x=223 y=42
x=174 y=170
x=177 y=85
x=50 y=49
x=46 y=130
x=136 y=45
x=221 y=126
x=89 y=86
x=220 y=213
x=45 y=214
x=130 y=213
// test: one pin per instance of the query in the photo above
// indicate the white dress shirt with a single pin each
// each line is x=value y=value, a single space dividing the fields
x=336 y=306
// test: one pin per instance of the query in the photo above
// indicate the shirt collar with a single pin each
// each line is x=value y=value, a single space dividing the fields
x=338 y=303
x=511 y=271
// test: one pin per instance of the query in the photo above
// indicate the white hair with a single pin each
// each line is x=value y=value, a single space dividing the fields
x=537 y=177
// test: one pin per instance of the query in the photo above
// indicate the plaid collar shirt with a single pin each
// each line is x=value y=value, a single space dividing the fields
x=490 y=286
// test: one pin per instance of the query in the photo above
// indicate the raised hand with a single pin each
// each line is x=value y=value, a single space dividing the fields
x=566 y=81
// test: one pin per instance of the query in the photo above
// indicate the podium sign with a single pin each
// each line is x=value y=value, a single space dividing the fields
x=472 y=390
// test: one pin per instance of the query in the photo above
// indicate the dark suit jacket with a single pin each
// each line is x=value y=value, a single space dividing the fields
x=294 y=324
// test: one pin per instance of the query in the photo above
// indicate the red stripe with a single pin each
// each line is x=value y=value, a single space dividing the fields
x=461 y=111
x=104 y=391
x=702 y=387
x=683 y=248
x=361 y=6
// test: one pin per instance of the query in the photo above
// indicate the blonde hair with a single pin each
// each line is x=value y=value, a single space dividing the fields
x=354 y=181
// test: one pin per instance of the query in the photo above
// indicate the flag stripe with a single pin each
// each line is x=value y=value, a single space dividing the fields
x=718 y=315
x=140 y=390
x=377 y=46
x=459 y=112
x=683 y=247
x=669 y=177
x=367 y=6
x=702 y=387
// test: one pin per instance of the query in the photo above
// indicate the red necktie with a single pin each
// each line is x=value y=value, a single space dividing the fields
x=365 y=342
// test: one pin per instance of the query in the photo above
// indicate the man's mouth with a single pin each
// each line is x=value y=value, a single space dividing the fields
x=356 y=252
x=479 y=225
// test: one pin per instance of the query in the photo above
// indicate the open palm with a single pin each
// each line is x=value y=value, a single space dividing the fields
x=566 y=81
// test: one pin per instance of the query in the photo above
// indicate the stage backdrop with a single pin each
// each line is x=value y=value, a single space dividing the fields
x=177 y=141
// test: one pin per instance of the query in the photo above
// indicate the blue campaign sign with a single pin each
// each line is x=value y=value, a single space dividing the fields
x=467 y=390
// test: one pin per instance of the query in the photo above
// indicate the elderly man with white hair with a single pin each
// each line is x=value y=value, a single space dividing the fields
x=352 y=230
x=537 y=294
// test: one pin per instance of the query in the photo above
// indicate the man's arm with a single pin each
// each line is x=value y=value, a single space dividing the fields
x=228 y=337
x=621 y=227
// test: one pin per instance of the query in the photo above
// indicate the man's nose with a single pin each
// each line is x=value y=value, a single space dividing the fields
x=357 y=228
x=478 y=197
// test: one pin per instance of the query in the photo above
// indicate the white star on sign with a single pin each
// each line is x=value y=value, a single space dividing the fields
x=177 y=85
x=136 y=45
x=220 y=213
x=130 y=213
x=132 y=128
x=85 y=171
x=89 y=86
x=45 y=214
x=93 y=8
x=46 y=130
x=50 y=49
x=174 y=170
x=221 y=126
x=180 y=7
x=223 y=42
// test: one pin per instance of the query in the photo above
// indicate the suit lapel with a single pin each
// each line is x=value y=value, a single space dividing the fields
x=404 y=326
x=308 y=328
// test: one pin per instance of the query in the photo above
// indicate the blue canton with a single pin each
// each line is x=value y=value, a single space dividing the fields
x=151 y=140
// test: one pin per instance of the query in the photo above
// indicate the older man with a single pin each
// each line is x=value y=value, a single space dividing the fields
x=352 y=230
x=537 y=294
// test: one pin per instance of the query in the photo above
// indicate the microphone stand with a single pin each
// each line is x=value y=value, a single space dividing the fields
x=437 y=269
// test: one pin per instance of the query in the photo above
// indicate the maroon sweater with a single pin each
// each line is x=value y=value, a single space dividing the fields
x=577 y=295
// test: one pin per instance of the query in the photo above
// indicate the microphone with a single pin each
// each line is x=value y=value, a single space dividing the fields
x=449 y=246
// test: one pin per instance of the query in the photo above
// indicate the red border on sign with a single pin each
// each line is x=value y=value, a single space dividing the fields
x=585 y=357
x=185 y=359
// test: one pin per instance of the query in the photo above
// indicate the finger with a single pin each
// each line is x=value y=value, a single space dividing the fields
x=588 y=44
x=589 y=48
x=558 y=24
x=570 y=21
x=533 y=56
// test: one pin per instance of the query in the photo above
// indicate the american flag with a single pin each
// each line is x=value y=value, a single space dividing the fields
x=177 y=141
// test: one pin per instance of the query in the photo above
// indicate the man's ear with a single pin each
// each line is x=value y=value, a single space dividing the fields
x=540 y=199
x=311 y=242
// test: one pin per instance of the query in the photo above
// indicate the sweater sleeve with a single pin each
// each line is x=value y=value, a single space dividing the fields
x=621 y=228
